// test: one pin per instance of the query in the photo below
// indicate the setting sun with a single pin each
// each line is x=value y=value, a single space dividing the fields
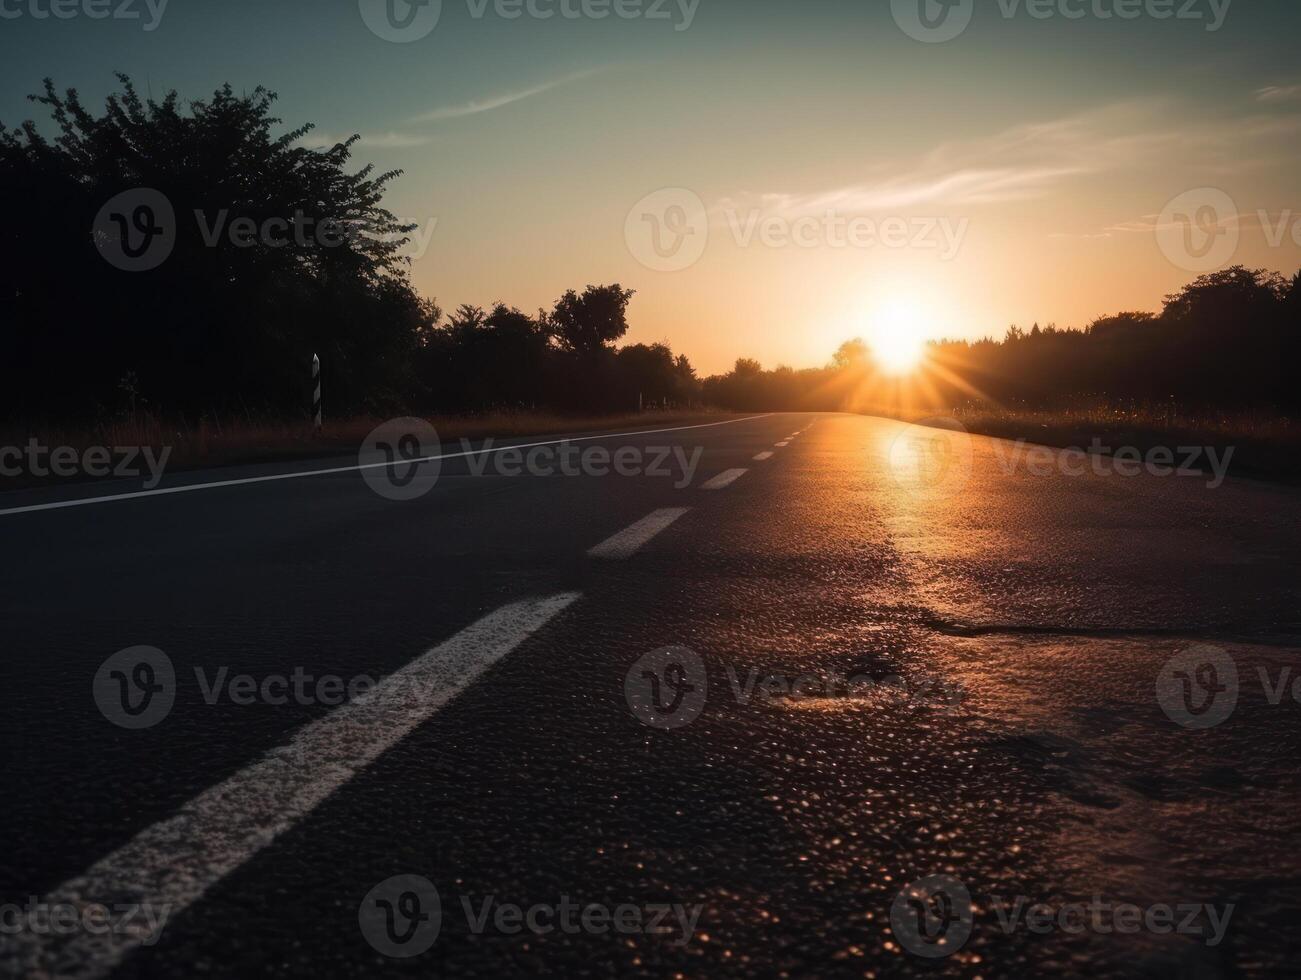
x=897 y=337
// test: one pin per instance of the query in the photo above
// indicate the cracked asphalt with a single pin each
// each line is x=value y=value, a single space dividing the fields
x=895 y=660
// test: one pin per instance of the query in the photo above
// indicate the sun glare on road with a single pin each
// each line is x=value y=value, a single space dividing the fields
x=897 y=337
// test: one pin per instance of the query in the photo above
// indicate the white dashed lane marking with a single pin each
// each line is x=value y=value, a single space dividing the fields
x=172 y=864
x=724 y=479
x=627 y=542
x=762 y=456
x=359 y=468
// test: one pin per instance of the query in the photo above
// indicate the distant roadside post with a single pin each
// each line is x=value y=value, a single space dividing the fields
x=316 y=393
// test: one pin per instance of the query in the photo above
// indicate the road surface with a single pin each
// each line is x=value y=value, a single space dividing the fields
x=583 y=756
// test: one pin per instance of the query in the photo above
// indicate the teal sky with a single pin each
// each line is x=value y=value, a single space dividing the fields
x=1055 y=144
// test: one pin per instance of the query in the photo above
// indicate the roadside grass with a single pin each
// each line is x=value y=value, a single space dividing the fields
x=209 y=443
x=1265 y=445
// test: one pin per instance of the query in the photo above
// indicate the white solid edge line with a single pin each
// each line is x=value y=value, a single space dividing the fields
x=172 y=864
x=767 y=454
x=161 y=491
x=724 y=479
x=629 y=541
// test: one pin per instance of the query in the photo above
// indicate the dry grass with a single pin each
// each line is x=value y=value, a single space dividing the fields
x=209 y=443
x=1264 y=445
x=1220 y=424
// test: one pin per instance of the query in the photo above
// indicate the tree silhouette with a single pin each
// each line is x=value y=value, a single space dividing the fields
x=277 y=252
x=592 y=321
x=274 y=251
x=1228 y=340
x=850 y=354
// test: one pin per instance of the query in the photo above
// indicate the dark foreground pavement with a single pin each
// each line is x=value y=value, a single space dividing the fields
x=1063 y=704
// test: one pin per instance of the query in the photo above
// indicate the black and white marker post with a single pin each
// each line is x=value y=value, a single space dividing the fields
x=316 y=392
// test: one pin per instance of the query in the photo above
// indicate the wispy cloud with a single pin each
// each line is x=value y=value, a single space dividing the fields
x=476 y=106
x=1152 y=223
x=973 y=173
x=391 y=140
x=1278 y=93
x=396 y=140
x=975 y=186
x=1150 y=137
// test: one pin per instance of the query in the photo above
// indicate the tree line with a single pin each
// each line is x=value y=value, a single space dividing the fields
x=1229 y=340
x=248 y=254
x=253 y=252
x=564 y=358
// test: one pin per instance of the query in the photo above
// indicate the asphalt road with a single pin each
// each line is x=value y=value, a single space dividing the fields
x=1046 y=693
